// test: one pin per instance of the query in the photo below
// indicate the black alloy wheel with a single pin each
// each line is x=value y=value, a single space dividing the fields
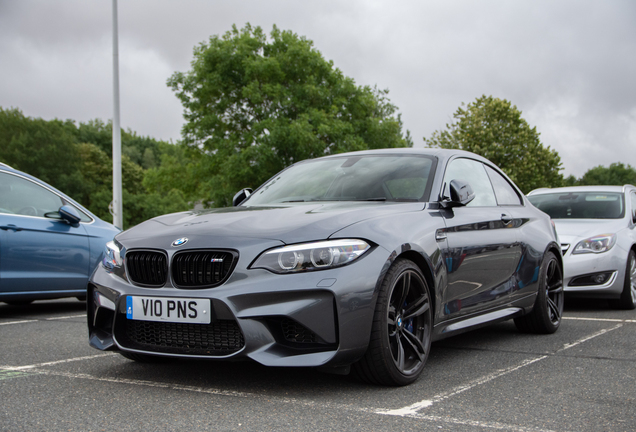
x=547 y=312
x=554 y=292
x=401 y=333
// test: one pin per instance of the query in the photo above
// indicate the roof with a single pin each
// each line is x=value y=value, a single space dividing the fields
x=600 y=188
x=435 y=152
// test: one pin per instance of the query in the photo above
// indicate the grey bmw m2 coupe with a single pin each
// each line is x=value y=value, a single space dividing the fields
x=352 y=262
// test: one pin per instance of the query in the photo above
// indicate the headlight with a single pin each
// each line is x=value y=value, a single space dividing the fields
x=597 y=244
x=311 y=256
x=112 y=257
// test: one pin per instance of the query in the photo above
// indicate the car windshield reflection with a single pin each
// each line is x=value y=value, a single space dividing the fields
x=580 y=205
x=359 y=178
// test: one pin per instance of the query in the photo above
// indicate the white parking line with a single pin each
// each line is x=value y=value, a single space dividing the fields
x=592 y=336
x=600 y=319
x=45 y=319
x=33 y=366
x=413 y=409
x=17 y=322
x=66 y=317
x=486 y=425
x=276 y=399
x=148 y=384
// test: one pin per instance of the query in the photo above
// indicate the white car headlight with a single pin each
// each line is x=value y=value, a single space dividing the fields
x=112 y=257
x=311 y=256
x=597 y=244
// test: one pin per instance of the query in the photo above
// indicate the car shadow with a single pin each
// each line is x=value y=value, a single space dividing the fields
x=585 y=305
x=42 y=307
x=238 y=377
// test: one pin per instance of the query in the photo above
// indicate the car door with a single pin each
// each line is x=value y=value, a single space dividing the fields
x=482 y=249
x=511 y=203
x=39 y=253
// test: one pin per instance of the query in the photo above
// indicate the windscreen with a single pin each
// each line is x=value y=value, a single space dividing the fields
x=359 y=178
x=581 y=205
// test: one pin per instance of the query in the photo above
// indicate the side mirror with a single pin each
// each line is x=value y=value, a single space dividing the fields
x=461 y=193
x=241 y=196
x=70 y=215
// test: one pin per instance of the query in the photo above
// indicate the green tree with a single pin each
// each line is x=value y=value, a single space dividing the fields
x=52 y=151
x=254 y=106
x=616 y=174
x=570 y=181
x=144 y=151
x=46 y=149
x=494 y=128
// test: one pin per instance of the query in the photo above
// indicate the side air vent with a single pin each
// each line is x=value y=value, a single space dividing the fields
x=202 y=268
x=147 y=268
x=564 y=248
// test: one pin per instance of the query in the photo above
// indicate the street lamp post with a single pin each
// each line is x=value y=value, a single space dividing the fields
x=117 y=205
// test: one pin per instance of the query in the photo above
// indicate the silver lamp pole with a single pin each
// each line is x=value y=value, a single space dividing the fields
x=117 y=205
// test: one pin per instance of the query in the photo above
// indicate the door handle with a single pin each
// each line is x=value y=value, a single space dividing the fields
x=10 y=227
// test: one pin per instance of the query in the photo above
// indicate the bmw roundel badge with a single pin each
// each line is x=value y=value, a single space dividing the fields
x=180 y=241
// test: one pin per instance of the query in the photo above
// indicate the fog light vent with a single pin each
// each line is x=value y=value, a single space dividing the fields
x=296 y=332
x=592 y=279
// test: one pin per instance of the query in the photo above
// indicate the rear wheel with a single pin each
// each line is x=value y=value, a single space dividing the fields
x=628 y=296
x=401 y=331
x=548 y=308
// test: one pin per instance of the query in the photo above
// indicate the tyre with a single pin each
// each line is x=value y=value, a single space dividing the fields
x=143 y=358
x=628 y=296
x=547 y=312
x=401 y=330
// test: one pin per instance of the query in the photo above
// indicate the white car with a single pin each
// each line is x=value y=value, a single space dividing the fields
x=597 y=230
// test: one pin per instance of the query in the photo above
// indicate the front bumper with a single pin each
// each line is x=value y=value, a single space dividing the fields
x=577 y=266
x=320 y=318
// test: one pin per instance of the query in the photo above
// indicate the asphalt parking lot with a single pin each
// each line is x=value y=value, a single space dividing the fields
x=583 y=378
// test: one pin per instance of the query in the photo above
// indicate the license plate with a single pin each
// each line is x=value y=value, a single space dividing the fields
x=169 y=309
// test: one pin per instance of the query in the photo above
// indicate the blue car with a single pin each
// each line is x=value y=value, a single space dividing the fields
x=49 y=244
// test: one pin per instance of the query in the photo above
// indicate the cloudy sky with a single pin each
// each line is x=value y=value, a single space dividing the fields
x=569 y=66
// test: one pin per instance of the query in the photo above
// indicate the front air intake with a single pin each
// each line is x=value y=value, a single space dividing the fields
x=202 y=268
x=219 y=338
x=147 y=268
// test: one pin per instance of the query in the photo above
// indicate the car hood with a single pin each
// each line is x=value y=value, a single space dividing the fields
x=573 y=230
x=289 y=224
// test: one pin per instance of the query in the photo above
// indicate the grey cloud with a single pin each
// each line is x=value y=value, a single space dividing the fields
x=568 y=65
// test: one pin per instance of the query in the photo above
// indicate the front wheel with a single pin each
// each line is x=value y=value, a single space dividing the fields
x=628 y=296
x=401 y=330
x=547 y=312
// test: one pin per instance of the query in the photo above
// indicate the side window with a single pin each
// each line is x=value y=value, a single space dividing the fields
x=506 y=195
x=633 y=196
x=474 y=173
x=23 y=197
x=20 y=196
